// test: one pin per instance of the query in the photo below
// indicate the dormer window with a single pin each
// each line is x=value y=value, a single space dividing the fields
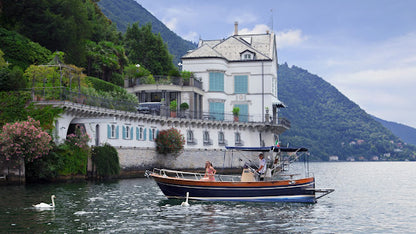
x=247 y=55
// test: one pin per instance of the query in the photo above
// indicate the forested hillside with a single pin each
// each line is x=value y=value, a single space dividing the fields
x=127 y=12
x=329 y=123
x=406 y=133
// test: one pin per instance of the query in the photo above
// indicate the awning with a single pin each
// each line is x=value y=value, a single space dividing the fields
x=279 y=104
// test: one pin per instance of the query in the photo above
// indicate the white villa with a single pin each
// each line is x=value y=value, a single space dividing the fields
x=239 y=71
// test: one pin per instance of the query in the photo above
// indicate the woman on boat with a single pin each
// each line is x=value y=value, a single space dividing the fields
x=209 y=172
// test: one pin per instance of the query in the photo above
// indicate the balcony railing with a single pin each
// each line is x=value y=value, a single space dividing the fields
x=164 y=80
x=63 y=94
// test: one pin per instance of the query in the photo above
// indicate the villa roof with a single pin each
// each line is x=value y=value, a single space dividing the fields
x=231 y=48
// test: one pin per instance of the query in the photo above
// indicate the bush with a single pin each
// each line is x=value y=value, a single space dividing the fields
x=23 y=140
x=74 y=153
x=105 y=159
x=101 y=85
x=170 y=141
x=45 y=168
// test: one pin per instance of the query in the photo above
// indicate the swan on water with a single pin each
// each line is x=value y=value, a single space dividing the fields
x=44 y=205
x=185 y=203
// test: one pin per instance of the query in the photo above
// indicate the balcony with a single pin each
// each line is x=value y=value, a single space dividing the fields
x=59 y=94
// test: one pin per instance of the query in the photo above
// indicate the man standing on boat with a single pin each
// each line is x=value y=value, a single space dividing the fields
x=262 y=166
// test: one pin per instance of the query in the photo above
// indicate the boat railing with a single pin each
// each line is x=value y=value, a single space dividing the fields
x=194 y=175
x=178 y=174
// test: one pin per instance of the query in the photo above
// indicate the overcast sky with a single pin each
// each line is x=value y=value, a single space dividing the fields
x=365 y=48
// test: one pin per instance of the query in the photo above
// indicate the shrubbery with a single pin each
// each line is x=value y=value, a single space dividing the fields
x=75 y=152
x=170 y=141
x=105 y=160
x=23 y=140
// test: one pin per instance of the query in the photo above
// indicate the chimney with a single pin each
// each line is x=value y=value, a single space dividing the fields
x=235 y=28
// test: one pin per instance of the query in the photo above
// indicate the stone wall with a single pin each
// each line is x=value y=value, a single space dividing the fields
x=141 y=159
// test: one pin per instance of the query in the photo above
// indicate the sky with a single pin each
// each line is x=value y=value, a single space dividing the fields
x=364 y=48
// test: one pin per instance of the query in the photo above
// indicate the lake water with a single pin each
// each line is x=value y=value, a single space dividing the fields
x=369 y=197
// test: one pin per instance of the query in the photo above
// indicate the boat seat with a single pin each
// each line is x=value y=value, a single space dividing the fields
x=247 y=176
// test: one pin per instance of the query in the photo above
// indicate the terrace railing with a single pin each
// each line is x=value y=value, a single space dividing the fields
x=164 y=80
x=63 y=94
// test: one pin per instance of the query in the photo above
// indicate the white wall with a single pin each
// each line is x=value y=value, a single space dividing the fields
x=260 y=84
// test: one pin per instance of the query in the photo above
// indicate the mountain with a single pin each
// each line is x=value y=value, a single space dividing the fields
x=329 y=124
x=406 y=133
x=127 y=12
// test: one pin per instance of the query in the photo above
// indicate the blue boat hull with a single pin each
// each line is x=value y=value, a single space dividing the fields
x=267 y=191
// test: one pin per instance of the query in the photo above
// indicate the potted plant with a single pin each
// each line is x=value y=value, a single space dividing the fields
x=173 y=105
x=236 y=113
x=184 y=106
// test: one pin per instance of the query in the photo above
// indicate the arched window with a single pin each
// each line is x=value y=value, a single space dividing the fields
x=221 y=138
x=207 y=140
x=190 y=136
x=238 y=140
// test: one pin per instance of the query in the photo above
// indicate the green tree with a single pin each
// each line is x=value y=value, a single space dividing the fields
x=20 y=51
x=57 y=25
x=10 y=79
x=17 y=106
x=147 y=49
x=104 y=58
x=102 y=29
x=63 y=25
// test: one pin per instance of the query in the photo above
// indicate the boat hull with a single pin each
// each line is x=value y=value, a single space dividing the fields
x=261 y=191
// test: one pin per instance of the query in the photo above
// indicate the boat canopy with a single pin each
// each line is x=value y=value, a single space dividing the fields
x=267 y=148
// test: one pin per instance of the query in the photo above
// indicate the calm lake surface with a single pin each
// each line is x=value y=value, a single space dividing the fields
x=369 y=197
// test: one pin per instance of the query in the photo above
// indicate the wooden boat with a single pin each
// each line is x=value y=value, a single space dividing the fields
x=274 y=186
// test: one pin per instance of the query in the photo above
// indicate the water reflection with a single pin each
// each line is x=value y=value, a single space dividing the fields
x=359 y=204
x=136 y=205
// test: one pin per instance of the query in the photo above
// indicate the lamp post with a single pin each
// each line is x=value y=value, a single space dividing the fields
x=136 y=81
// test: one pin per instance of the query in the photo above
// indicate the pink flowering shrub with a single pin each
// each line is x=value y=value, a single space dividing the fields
x=23 y=140
x=78 y=139
x=169 y=141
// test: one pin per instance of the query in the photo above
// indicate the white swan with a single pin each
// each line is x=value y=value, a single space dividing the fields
x=44 y=205
x=185 y=203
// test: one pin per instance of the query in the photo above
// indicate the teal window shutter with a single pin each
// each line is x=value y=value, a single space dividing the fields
x=124 y=132
x=137 y=134
x=108 y=131
x=216 y=81
x=131 y=133
x=150 y=135
x=157 y=133
x=241 y=84
x=243 y=117
x=144 y=134
x=216 y=109
x=117 y=132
